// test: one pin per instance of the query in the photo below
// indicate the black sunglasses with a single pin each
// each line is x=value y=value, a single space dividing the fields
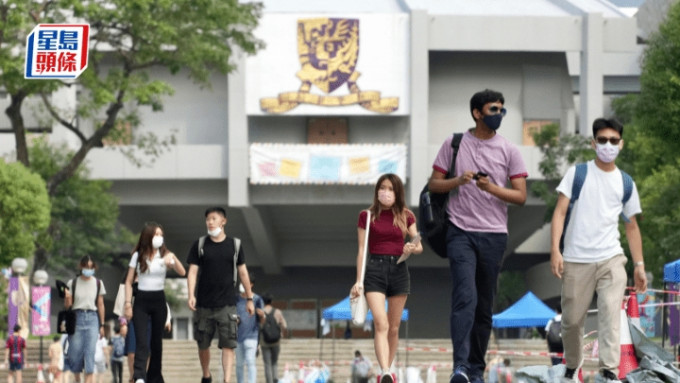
x=603 y=140
x=496 y=110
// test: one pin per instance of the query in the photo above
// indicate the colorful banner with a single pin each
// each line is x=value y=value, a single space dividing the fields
x=40 y=319
x=325 y=164
x=18 y=304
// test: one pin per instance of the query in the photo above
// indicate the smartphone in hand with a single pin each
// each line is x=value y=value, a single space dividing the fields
x=479 y=174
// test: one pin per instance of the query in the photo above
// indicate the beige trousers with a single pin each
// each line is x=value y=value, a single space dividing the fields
x=579 y=282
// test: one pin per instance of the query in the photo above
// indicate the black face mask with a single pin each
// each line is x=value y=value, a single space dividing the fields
x=493 y=121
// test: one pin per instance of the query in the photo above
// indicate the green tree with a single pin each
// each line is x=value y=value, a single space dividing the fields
x=558 y=151
x=652 y=143
x=24 y=211
x=127 y=39
x=84 y=213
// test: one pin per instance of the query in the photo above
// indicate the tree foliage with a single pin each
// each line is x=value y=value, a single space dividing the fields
x=24 y=211
x=559 y=150
x=652 y=142
x=128 y=38
x=84 y=213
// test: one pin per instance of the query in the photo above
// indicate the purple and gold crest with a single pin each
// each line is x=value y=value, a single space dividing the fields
x=328 y=49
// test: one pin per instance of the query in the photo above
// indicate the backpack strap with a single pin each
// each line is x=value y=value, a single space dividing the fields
x=237 y=247
x=201 y=242
x=576 y=186
x=627 y=192
x=455 y=144
x=579 y=178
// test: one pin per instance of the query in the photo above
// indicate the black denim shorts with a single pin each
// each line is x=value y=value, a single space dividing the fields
x=384 y=275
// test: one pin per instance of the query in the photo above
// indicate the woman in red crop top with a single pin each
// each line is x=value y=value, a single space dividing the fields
x=391 y=222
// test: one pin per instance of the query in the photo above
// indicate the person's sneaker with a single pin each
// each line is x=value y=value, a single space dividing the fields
x=139 y=381
x=476 y=379
x=387 y=378
x=606 y=376
x=460 y=375
x=207 y=380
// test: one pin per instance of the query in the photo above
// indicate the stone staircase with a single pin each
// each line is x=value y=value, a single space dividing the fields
x=180 y=358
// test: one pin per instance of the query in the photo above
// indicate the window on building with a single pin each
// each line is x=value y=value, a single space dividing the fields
x=327 y=130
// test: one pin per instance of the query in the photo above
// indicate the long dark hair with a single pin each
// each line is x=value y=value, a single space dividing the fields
x=399 y=209
x=144 y=248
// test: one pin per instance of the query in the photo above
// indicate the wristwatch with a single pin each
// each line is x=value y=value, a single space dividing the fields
x=249 y=299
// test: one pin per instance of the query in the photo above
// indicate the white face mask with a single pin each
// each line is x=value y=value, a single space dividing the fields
x=215 y=232
x=157 y=242
x=241 y=289
x=386 y=197
x=607 y=152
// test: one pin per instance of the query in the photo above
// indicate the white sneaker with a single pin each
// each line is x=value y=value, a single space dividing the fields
x=139 y=381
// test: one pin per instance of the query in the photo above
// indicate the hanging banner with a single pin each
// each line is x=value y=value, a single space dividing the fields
x=315 y=65
x=325 y=164
x=18 y=304
x=40 y=319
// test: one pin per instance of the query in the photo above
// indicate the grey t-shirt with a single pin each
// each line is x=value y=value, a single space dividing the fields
x=85 y=293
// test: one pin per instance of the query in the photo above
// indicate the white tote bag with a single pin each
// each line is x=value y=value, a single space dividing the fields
x=119 y=303
x=358 y=304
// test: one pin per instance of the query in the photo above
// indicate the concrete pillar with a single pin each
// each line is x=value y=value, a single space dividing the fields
x=591 y=82
x=419 y=124
x=238 y=149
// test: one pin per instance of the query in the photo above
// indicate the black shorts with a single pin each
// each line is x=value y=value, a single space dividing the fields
x=384 y=275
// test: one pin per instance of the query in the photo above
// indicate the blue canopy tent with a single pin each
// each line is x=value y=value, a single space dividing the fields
x=671 y=274
x=529 y=311
x=342 y=311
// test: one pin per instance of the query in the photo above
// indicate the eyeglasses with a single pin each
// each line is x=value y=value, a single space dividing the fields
x=603 y=140
x=495 y=110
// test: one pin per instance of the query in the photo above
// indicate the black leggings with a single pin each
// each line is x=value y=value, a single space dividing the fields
x=149 y=305
x=117 y=371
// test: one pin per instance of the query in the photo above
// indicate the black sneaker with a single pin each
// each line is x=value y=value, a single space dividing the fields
x=207 y=380
x=387 y=378
x=606 y=376
x=568 y=376
x=460 y=375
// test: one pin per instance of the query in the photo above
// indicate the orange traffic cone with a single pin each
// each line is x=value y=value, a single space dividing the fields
x=628 y=360
x=41 y=376
x=633 y=310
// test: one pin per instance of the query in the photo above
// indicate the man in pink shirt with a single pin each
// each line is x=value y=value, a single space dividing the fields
x=489 y=174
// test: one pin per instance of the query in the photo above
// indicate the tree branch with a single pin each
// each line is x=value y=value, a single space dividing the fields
x=67 y=171
x=63 y=122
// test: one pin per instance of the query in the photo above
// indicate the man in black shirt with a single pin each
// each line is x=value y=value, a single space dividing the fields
x=212 y=291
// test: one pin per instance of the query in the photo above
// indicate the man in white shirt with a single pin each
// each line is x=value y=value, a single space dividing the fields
x=593 y=259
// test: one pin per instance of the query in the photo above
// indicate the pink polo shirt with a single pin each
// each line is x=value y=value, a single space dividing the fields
x=471 y=208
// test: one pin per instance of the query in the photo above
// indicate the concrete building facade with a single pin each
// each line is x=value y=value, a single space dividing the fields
x=404 y=84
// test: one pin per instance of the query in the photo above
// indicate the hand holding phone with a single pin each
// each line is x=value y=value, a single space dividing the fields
x=479 y=174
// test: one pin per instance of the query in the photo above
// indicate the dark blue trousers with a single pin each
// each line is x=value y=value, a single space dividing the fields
x=475 y=261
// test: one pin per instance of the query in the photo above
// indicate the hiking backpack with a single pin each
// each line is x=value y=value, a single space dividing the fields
x=271 y=331
x=577 y=185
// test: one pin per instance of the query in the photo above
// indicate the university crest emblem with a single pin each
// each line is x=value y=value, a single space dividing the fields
x=328 y=49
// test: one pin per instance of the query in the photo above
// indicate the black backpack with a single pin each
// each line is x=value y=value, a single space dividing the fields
x=271 y=331
x=432 y=218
